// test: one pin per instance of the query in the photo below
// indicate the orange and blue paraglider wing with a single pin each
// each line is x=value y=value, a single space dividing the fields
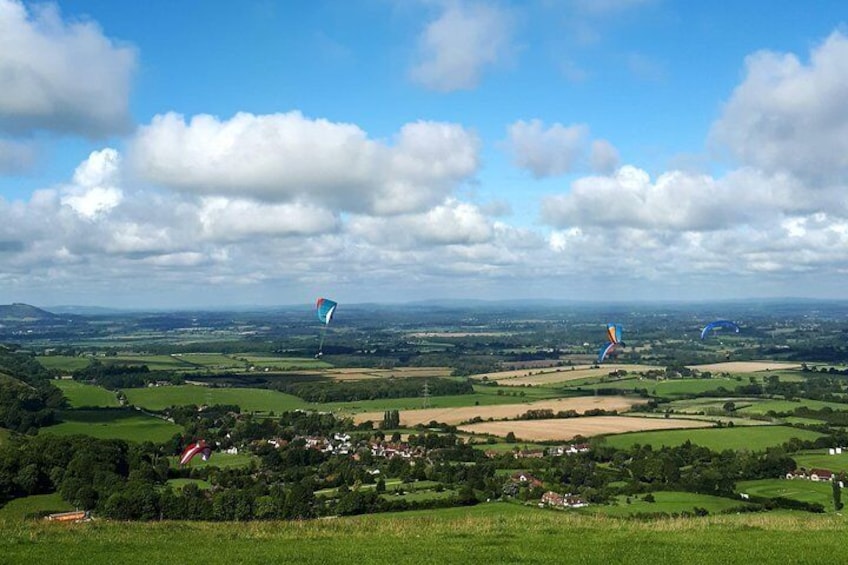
x=605 y=350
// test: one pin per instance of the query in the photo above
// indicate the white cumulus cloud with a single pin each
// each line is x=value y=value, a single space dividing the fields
x=290 y=158
x=455 y=49
x=58 y=76
x=558 y=149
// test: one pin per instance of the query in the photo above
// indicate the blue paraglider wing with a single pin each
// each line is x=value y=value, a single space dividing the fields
x=718 y=324
x=325 y=309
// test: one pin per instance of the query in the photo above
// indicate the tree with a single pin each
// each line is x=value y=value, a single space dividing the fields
x=510 y=437
x=729 y=406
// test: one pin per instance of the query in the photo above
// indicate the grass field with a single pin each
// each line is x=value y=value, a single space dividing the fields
x=358 y=374
x=763 y=406
x=81 y=395
x=20 y=508
x=488 y=533
x=281 y=363
x=819 y=459
x=249 y=399
x=565 y=429
x=465 y=413
x=178 y=484
x=221 y=460
x=127 y=424
x=66 y=363
x=668 y=502
x=753 y=438
x=796 y=489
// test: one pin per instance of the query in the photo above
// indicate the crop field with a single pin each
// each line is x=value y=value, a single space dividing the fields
x=491 y=533
x=553 y=375
x=63 y=362
x=21 y=508
x=130 y=425
x=564 y=429
x=752 y=438
x=668 y=502
x=820 y=459
x=249 y=399
x=746 y=366
x=796 y=489
x=81 y=395
x=465 y=413
x=220 y=460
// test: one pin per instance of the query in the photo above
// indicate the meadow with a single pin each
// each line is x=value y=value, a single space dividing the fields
x=23 y=508
x=127 y=424
x=665 y=501
x=796 y=489
x=218 y=459
x=669 y=388
x=81 y=395
x=249 y=399
x=66 y=363
x=753 y=438
x=490 y=533
x=820 y=459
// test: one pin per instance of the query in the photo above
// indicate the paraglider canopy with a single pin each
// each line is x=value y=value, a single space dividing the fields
x=198 y=448
x=325 y=309
x=614 y=334
x=718 y=324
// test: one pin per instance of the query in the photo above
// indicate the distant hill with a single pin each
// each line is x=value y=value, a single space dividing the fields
x=24 y=313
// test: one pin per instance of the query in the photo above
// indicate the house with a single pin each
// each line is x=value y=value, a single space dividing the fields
x=820 y=475
x=530 y=453
x=526 y=479
x=555 y=499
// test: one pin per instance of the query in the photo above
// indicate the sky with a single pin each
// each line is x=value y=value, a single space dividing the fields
x=209 y=153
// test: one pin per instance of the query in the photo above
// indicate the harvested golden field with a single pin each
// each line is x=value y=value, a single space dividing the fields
x=746 y=366
x=397 y=372
x=464 y=413
x=567 y=428
x=553 y=375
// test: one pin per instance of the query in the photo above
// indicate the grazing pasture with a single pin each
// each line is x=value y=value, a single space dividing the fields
x=81 y=395
x=564 y=429
x=114 y=423
x=665 y=501
x=218 y=459
x=455 y=415
x=249 y=399
x=178 y=484
x=65 y=363
x=761 y=407
x=489 y=532
x=752 y=438
x=22 y=508
x=820 y=459
x=358 y=374
x=796 y=489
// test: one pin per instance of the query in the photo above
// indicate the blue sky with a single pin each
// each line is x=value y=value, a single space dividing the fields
x=208 y=153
